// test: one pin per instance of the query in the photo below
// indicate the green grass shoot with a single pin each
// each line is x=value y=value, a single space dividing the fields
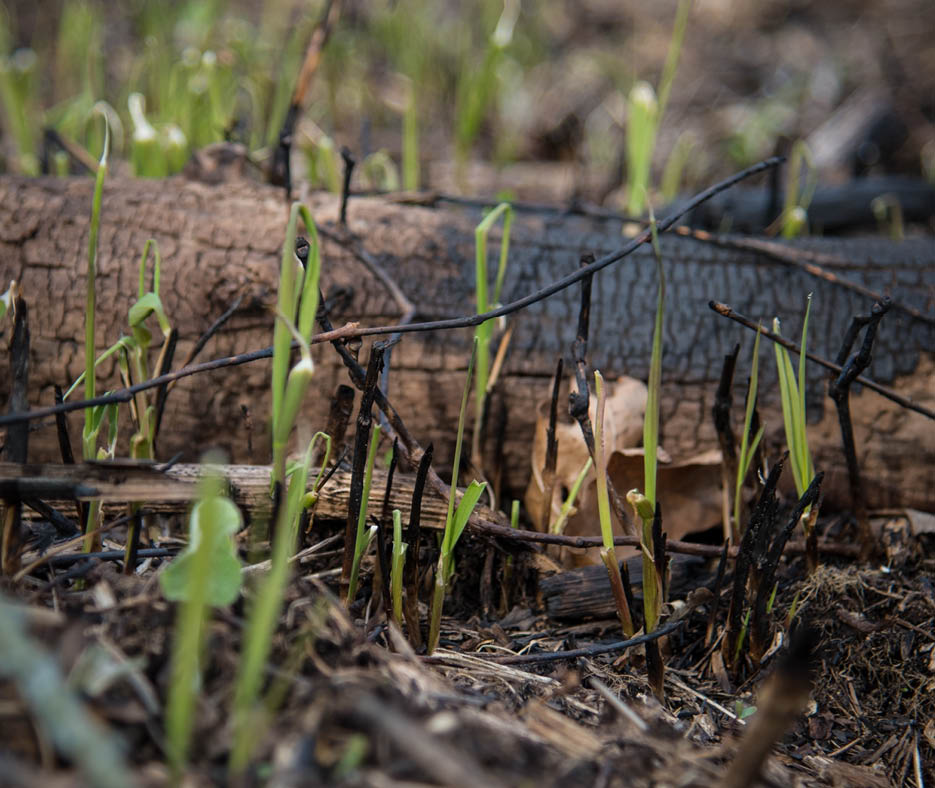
x=644 y=115
x=298 y=288
x=558 y=526
x=396 y=567
x=456 y=519
x=793 y=407
x=263 y=617
x=92 y=417
x=360 y=544
x=794 y=218
x=484 y=332
x=207 y=573
x=748 y=447
x=608 y=552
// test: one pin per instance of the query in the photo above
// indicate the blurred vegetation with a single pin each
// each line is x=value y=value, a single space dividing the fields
x=179 y=75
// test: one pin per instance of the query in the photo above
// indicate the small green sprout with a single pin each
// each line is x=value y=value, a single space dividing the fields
x=748 y=447
x=559 y=525
x=608 y=551
x=794 y=219
x=456 y=520
x=361 y=543
x=206 y=573
x=793 y=408
x=396 y=567
x=484 y=332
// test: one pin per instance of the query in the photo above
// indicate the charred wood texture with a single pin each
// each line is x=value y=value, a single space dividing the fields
x=222 y=242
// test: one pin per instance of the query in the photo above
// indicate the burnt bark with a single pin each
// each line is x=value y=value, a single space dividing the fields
x=222 y=242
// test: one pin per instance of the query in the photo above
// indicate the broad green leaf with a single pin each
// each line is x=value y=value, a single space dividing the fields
x=216 y=519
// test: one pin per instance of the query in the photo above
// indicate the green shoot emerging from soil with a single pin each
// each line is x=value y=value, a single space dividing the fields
x=794 y=219
x=747 y=446
x=484 y=332
x=360 y=544
x=608 y=551
x=396 y=567
x=793 y=408
x=206 y=574
x=456 y=519
x=292 y=296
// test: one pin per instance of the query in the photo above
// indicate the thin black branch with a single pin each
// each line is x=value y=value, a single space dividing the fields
x=727 y=311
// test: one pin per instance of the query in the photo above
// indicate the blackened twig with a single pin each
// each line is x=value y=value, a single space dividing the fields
x=349 y=162
x=551 y=453
x=726 y=311
x=384 y=524
x=13 y=536
x=588 y=651
x=839 y=391
x=362 y=440
x=61 y=427
x=578 y=401
x=762 y=517
x=411 y=568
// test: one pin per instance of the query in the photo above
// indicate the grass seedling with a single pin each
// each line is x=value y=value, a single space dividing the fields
x=793 y=408
x=559 y=525
x=396 y=567
x=146 y=154
x=18 y=95
x=484 y=332
x=644 y=114
x=747 y=446
x=794 y=219
x=298 y=290
x=645 y=504
x=263 y=617
x=608 y=551
x=206 y=574
x=361 y=543
x=92 y=416
x=456 y=520
x=476 y=90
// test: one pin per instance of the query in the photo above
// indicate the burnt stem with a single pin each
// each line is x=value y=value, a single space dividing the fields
x=716 y=602
x=362 y=439
x=165 y=364
x=384 y=525
x=17 y=437
x=759 y=620
x=349 y=162
x=720 y=412
x=339 y=416
x=839 y=391
x=551 y=452
x=578 y=401
x=763 y=516
x=411 y=568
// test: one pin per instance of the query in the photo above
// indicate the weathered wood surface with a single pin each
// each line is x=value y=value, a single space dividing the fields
x=173 y=491
x=220 y=242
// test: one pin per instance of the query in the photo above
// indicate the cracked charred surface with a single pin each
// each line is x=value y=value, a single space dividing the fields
x=220 y=242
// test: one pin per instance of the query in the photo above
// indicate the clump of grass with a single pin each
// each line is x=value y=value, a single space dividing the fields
x=792 y=393
x=456 y=520
x=298 y=294
x=477 y=89
x=484 y=332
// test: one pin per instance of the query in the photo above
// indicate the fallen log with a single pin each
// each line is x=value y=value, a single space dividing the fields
x=222 y=242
